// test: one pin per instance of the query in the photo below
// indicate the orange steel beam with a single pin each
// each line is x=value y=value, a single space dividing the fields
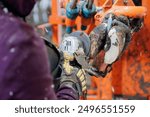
x=55 y=20
x=54 y=12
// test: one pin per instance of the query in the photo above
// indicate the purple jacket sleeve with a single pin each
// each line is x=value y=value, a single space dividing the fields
x=24 y=69
x=67 y=93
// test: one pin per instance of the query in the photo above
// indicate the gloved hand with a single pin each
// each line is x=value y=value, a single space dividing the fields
x=73 y=77
x=108 y=42
x=119 y=36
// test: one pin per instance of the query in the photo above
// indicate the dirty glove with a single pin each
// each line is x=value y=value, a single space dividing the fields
x=108 y=42
x=97 y=37
x=117 y=40
x=73 y=77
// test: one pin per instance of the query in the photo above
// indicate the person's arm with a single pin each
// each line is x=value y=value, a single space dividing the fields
x=25 y=71
x=72 y=83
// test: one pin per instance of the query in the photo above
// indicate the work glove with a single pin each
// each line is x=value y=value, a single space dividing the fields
x=118 y=38
x=97 y=38
x=108 y=42
x=73 y=77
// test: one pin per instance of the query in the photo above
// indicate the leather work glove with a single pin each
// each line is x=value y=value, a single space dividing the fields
x=108 y=42
x=124 y=24
x=118 y=38
x=73 y=77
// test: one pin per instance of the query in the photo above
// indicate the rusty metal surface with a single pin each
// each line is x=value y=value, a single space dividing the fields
x=134 y=81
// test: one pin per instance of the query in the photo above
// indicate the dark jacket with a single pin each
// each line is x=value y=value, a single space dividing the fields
x=24 y=68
